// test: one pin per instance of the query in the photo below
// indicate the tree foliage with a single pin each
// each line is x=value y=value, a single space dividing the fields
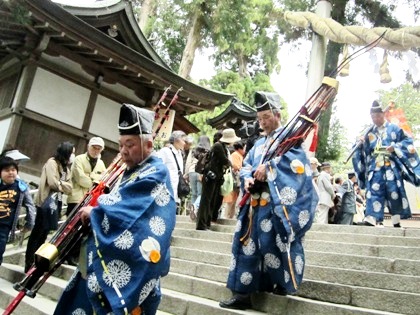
x=243 y=88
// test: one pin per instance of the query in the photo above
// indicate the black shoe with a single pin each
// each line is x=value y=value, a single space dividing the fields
x=280 y=291
x=397 y=225
x=365 y=223
x=200 y=228
x=237 y=302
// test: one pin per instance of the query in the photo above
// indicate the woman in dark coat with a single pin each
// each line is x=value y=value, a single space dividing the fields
x=211 y=199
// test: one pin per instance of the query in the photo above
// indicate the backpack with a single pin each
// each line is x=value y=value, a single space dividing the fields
x=202 y=159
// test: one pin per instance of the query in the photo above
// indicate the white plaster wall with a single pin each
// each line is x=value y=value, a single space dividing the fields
x=4 y=128
x=58 y=98
x=105 y=119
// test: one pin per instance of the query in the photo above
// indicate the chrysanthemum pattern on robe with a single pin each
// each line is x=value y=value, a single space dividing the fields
x=377 y=206
x=238 y=226
x=72 y=281
x=393 y=135
x=368 y=194
x=271 y=261
x=147 y=288
x=304 y=217
x=157 y=225
x=147 y=172
x=105 y=224
x=266 y=225
x=78 y=311
x=299 y=264
x=376 y=186
x=90 y=258
x=246 y=278
x=161 y=195
x=282 y=246
x=232 y=265
x=288 y=196
x=93 y=284
x=404 y=203
x=124 y=241
x=286 y=276
x=119 y=273
x=394 y=195
x=389 y=175
x=110 y=199
x=249 y=249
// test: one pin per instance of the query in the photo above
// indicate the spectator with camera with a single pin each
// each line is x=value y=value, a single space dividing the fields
x=211 y=199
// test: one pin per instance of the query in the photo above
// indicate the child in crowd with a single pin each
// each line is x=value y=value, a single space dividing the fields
x=13 y=194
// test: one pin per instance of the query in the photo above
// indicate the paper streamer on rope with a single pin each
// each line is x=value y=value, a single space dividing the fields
x=384 y=70
x=346 y=69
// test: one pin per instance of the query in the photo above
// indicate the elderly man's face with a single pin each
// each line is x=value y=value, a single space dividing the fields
x=134 y=149
x=268 y=120
x=94 y=151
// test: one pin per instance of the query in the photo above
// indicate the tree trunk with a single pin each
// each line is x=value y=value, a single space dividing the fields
x=242 y=65
x=193 y=42
x=146 y=11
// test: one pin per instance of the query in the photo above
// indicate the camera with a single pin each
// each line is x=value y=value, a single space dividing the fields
x=210 y=175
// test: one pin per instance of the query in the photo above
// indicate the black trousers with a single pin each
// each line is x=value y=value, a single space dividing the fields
x=38 y=237
x=210 y=203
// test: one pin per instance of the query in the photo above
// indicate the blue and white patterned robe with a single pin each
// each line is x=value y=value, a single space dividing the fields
x=131 y=228
x=262 y=262
x=383 y=177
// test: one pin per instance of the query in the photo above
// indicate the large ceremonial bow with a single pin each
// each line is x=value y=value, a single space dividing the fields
x=50 y=256
x=298 y=128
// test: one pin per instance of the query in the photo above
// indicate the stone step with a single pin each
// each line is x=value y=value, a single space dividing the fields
x=396 y=252
x=229 y=226
x=273 y=304
x=369 y=279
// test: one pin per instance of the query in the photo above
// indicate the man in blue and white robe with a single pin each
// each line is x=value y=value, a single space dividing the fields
x=128 y=247
x=385 y=158
x=267 y=251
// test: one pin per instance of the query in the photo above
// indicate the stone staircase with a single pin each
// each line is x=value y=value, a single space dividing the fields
x=349 y=270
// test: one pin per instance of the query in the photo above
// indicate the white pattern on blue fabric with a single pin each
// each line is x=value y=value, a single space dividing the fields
x=405 y=203
x=124 y=241
x=288 y=196
x=282 y=246
x=147 y=172
x=119 y=273
x=394 y=195
x=90 y=258
x=249 y=249
x=232 y=265
x=93 y=284
x=377 y=206
x=157 y=225
x=271 y=261
x=161 y=195
x=238 y=226
x=266 y=225
x=390 y=175
x=286 y=276
x=246 y=278
x=109 y=199
x=375 y=186
x=299 y=264
x=78 y=311
x=147 y=288
x=72 y=281
x=304 y=217
x=105 y=224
